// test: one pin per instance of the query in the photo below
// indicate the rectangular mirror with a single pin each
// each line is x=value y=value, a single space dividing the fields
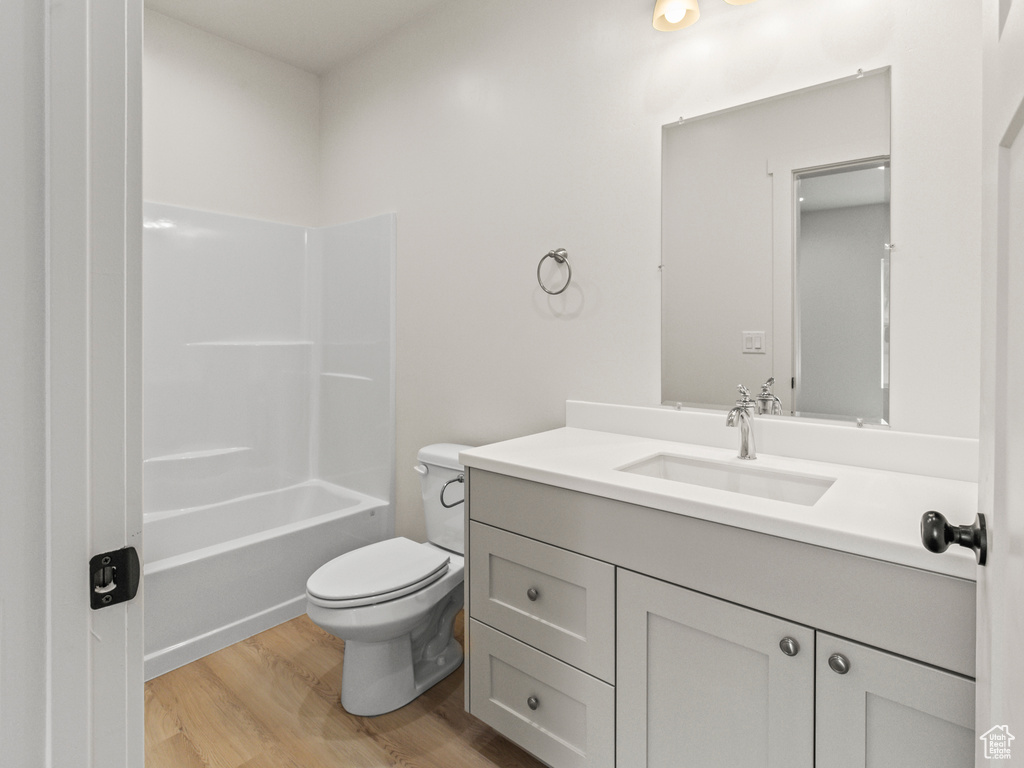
x=755 y=285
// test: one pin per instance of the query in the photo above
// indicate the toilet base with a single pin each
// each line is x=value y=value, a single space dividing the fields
x=379 y=677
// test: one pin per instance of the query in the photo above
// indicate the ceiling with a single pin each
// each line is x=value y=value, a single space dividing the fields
x=314 y=35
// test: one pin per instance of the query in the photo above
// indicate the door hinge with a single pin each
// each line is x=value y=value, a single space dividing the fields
x=114 y=577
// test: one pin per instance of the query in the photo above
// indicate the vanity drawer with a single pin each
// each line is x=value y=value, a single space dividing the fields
x=557 y=601
x=563 y=716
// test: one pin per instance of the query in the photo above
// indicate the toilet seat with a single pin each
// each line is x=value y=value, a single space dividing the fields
x=377 y=573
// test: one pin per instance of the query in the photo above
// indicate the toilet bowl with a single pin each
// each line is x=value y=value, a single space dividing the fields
x=394 y=602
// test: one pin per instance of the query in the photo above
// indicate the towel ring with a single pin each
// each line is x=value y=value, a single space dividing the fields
x=560 y=256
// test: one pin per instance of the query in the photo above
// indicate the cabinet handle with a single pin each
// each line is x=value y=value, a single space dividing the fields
x=533 y=594
x=533 y=702
x=789 y=646
x=839 y=663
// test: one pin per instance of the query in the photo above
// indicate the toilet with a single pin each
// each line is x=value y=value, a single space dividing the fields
x=394 y=602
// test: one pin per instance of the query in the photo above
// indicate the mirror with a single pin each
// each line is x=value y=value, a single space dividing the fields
x=759 y=284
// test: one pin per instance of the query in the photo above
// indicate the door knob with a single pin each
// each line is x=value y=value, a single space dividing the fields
x=937 y=534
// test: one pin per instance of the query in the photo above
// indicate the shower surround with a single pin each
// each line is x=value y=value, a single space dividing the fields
x=268 y=384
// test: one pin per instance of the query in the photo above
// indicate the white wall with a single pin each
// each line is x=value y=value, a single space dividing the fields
x=498 y=131
x=227 y=129
x=23 y=545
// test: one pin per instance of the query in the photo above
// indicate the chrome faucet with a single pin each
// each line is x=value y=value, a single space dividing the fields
x=768 y=402
x=742 y=415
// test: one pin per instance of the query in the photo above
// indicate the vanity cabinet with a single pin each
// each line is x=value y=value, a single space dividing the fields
x=604 y=633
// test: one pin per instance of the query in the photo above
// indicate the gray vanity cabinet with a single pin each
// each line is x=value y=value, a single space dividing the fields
x=704 y=682
x=886 y=710
x=707 y=683
x=604 y=633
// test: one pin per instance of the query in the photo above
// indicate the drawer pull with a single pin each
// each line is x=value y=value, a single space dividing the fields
x=533 y=702
x=533 y=594
x=789 y=646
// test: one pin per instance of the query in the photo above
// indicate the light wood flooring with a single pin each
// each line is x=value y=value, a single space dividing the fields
x=272 y=701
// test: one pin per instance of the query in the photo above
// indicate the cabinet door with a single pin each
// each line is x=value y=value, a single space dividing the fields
x=886 y=710
x=703 y=683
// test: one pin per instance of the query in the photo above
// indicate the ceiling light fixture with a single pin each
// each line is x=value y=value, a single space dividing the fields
x=670 y=15
x=675 y=14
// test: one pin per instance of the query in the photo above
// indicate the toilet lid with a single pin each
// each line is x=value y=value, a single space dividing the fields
x=377 y=570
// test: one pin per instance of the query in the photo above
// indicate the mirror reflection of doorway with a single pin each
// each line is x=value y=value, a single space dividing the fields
x=841 y=296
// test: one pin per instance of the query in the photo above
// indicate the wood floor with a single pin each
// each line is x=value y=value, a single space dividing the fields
x=272 y=701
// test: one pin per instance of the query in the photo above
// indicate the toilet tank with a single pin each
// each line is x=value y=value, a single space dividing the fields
x=439 y=464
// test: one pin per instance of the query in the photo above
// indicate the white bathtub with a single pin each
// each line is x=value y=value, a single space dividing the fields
x=217 y=574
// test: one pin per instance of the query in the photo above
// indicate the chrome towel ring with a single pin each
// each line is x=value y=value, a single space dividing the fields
x=560 y=256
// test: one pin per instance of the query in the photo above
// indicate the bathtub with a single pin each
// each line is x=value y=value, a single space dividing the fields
x=216 y=574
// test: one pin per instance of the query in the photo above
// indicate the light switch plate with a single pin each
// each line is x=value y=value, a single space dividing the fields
x=753 y=343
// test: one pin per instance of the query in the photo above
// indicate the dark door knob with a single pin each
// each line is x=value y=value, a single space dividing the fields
x=937 y=534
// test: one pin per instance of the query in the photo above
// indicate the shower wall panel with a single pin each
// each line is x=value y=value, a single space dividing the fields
x=268 y=356
x=355 y=448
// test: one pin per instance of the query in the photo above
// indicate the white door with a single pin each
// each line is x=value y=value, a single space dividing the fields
x=81 y=167
x=1000 y=702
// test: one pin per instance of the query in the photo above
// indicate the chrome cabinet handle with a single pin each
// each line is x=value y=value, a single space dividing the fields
x=789 y=646
x=533 y=594
x=533 y=702
x=839 y=663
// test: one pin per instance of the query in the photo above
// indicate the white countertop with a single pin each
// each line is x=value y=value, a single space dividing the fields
x=870 y=512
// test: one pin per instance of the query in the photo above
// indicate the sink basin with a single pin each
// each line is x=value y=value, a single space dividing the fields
x=750 y=480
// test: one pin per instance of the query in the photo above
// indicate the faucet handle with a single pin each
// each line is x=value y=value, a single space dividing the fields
x=766 y=388
x=744 y=395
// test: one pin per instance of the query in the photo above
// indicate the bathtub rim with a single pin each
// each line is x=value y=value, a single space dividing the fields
x=363 y=502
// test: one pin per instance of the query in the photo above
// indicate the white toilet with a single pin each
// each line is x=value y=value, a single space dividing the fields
x=394 y=602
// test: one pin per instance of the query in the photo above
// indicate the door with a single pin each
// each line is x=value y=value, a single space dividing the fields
x=705 y=683
x=874 y=709
x=81 y=415
x=1000 y=629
